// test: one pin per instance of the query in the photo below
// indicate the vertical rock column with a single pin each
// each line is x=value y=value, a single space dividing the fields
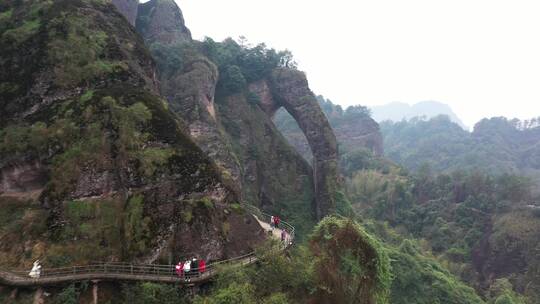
x=162 y=21
x=290 y=89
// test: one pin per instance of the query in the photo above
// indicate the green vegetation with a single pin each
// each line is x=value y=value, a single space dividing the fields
x=350 y=265
x=422 y=280
x=457 y=213
x=80 y=52
x=240 y=63
x=172 y=58
x=26 y=24
x=4 y=16
x=21 y=33
x=501 y=292
x=343 y=264
x=151 y=293
x=69 y=295
x=136 y=226
x=496 y=145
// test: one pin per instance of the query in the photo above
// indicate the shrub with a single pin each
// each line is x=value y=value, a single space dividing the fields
x=350 y=265
x=23 y=32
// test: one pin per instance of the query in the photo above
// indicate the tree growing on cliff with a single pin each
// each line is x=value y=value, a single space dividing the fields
x=240 y=63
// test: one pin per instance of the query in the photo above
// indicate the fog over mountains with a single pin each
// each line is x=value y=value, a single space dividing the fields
x=397 y=111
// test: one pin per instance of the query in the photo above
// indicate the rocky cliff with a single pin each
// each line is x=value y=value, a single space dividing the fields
x=197 y=86
x=162 y=21
x=94 y=166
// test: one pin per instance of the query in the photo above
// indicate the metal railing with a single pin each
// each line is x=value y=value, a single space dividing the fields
x=265 y=217
x=145 y=272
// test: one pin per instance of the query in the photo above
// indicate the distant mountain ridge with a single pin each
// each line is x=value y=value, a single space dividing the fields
x=397 y=111
x=496 y=145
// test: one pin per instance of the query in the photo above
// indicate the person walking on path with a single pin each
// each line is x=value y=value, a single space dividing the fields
x=202 y=266
x=180 y=269
x=35 y=273
x=187 y=269
x=277 y=220
x=272 y=222
x=194 y=266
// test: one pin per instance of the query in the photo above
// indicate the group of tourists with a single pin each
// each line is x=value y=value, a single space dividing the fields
x=190 y=268
x=274 y=222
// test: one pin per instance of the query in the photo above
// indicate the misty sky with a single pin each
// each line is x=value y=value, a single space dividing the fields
x=482 y=57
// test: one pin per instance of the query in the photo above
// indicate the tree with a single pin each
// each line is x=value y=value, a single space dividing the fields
x=232 y=79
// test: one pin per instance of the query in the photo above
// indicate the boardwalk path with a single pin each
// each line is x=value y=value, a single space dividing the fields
x=149 y=273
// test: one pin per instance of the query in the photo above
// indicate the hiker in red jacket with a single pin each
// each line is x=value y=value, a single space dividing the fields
x=202 y=266
x=277 y=221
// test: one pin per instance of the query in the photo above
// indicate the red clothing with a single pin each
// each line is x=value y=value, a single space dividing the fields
x=202 y=266
x=180 y=269
x=277 y=220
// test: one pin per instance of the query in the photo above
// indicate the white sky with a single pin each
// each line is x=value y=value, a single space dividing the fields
x=482 y=57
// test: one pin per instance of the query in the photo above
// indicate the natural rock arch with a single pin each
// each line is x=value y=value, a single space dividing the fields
x=289 y=89
x=162 y=21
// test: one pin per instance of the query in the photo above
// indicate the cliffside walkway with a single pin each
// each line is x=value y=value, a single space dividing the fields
x=147 y=273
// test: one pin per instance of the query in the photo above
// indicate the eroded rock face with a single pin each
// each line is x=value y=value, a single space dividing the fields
x=363 y=133
x=267 y=103
x=162 y=21
x=291 y=90
x=190 y=87
x=210 y=244
x=128 y=8
x=22 y=177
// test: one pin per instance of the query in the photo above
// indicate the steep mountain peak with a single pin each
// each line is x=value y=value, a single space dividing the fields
x=162 y=21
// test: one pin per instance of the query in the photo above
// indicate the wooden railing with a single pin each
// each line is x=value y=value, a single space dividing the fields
x=141 y=272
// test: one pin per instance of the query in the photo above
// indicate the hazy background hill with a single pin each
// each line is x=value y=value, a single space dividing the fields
x=397 y=111
x=495 y=145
